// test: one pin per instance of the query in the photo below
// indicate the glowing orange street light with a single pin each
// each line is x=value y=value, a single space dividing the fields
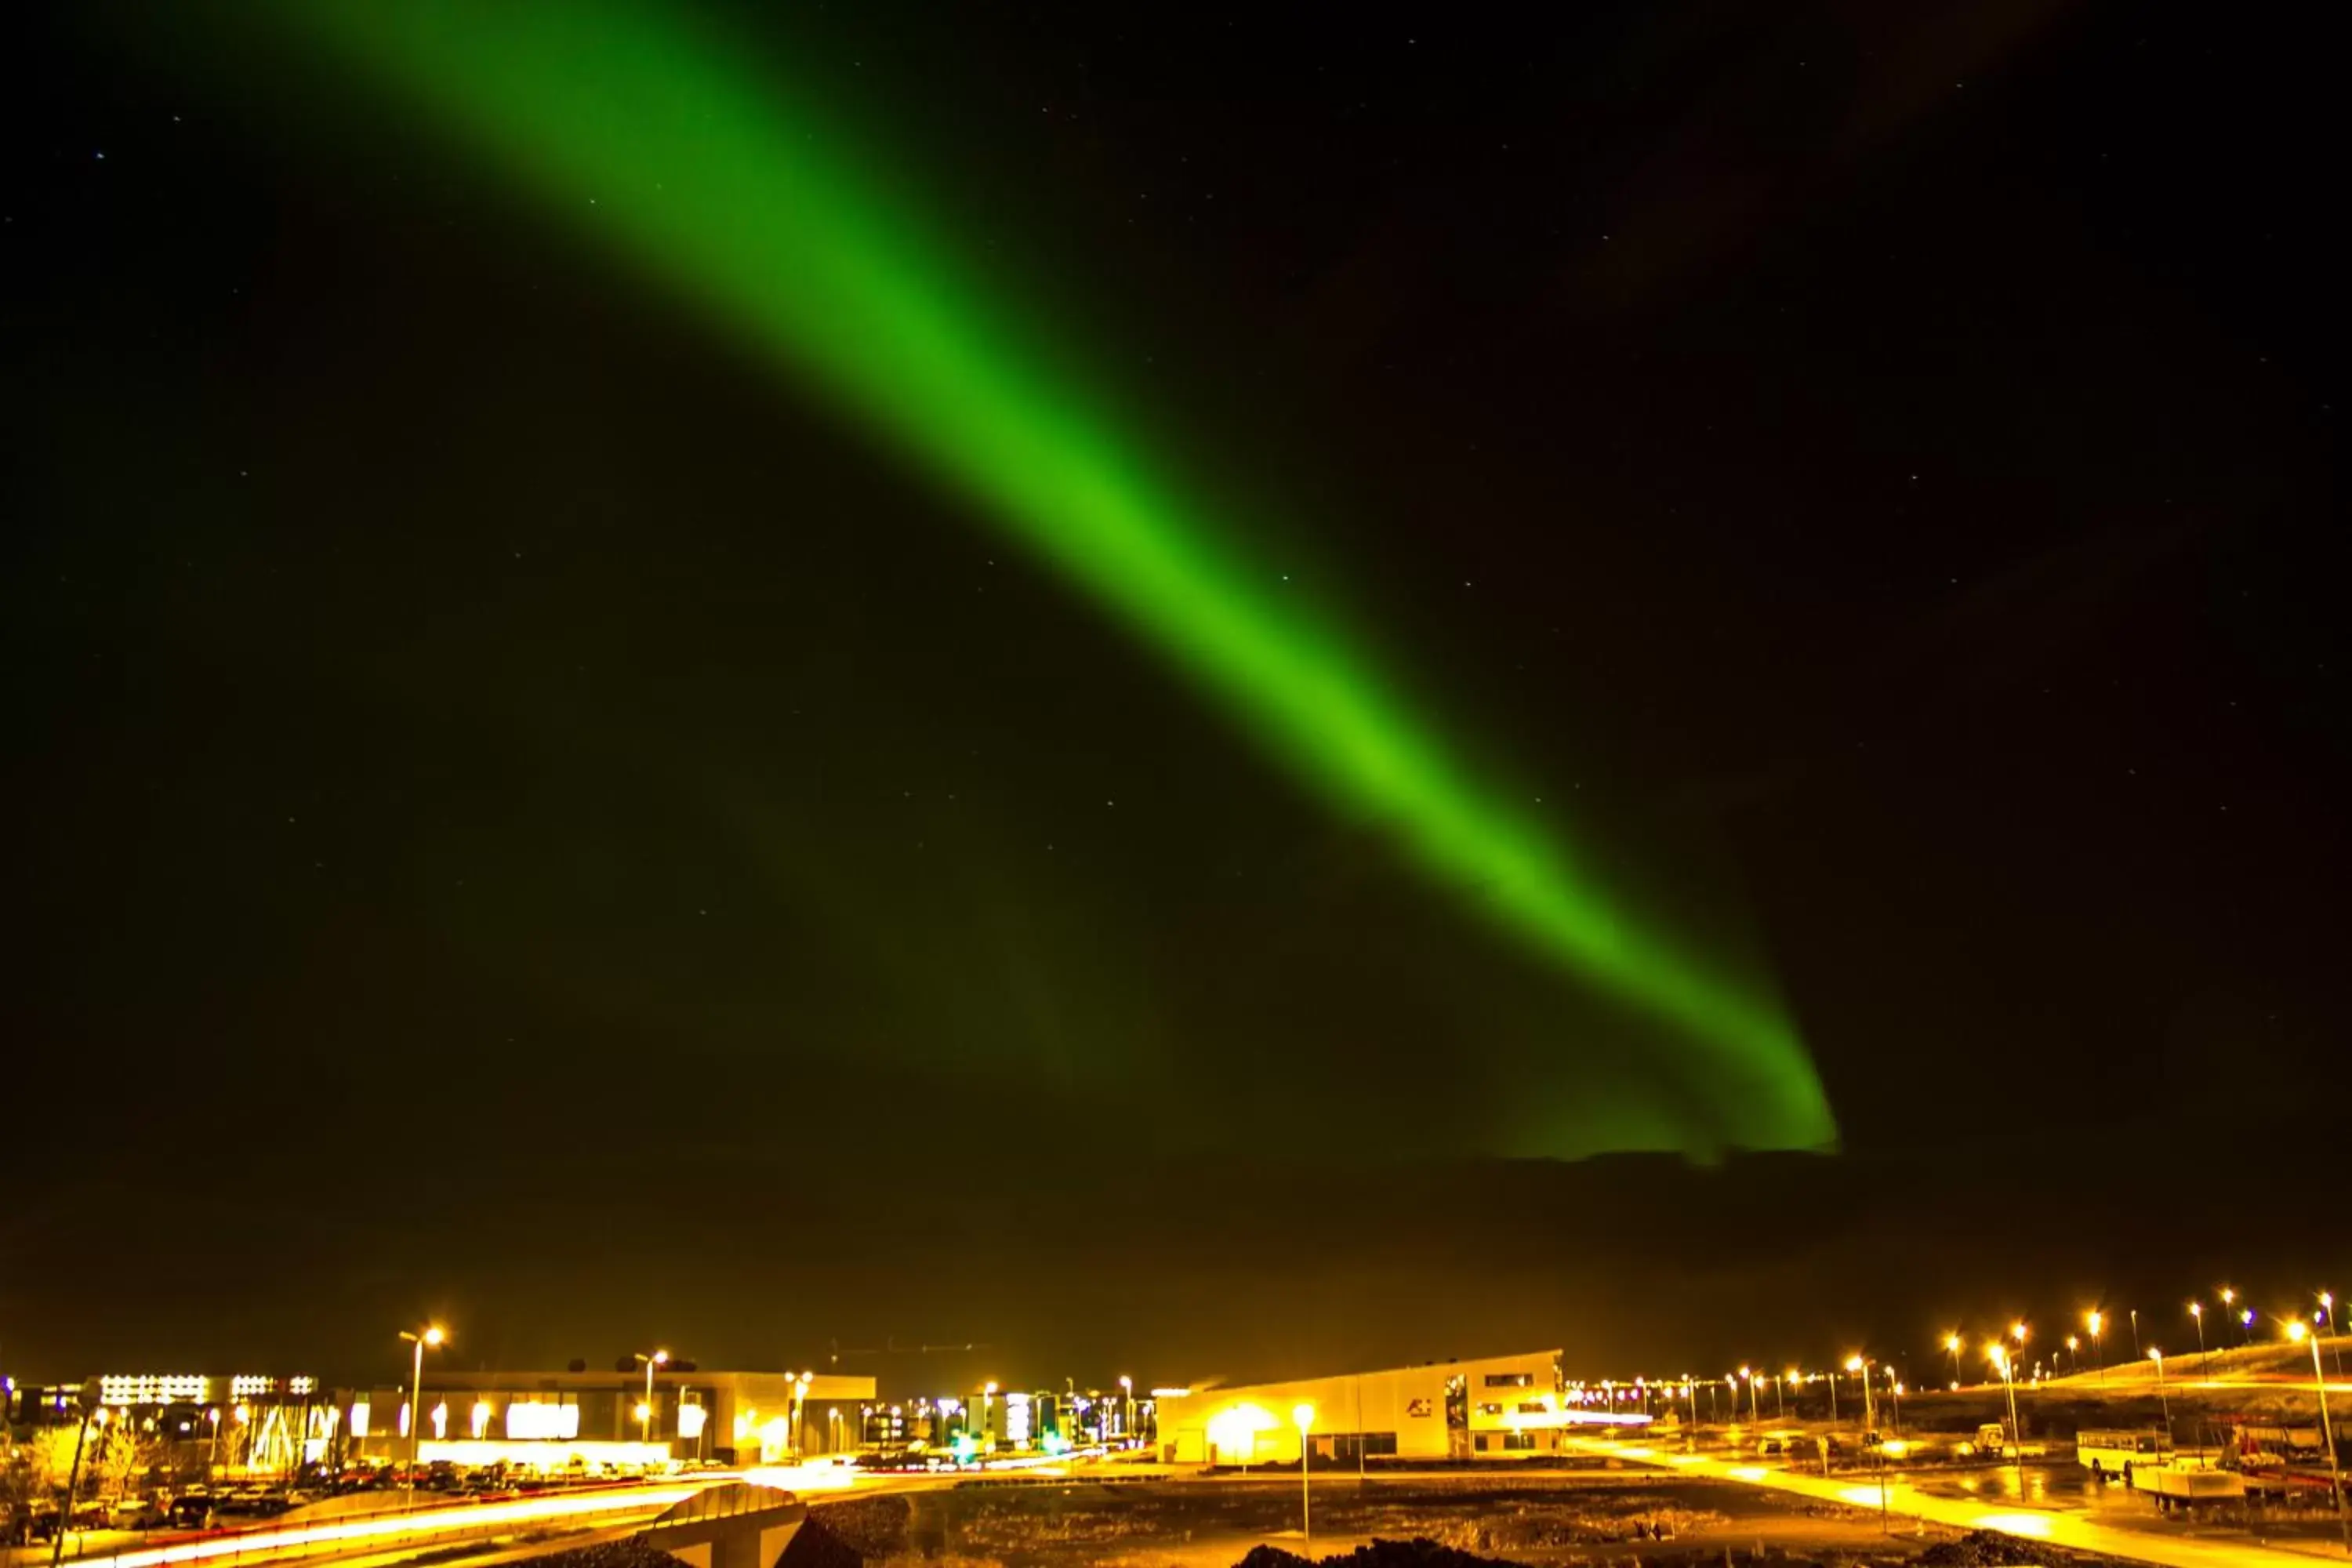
x=431 y=1334
x=2297 y=1333
x=2097 y=1321
x=1999 y=1355
x=1303 y=1416
x=1860 y=1365
x=646 y=1410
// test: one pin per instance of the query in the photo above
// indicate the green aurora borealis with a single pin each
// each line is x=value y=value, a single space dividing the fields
x=713 y=178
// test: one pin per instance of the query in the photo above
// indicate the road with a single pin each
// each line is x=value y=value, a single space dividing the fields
x=353 y=1540
x=2070 y=1526
x=322 y=1538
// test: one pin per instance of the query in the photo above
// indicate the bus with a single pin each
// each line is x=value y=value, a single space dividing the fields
x=2118 y=1453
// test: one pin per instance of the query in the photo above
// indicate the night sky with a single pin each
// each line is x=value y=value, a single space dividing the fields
x=532 y=805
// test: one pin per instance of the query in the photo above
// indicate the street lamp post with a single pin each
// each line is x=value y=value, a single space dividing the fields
x=646 y=1406
x=73 y=1478
x=1952 y=1344
x=2295 y=1330
x=2097 y=1321
x=430 y=1334
x=1126 y=1410
x=2163 y=1400
x=1859 y=1365
x=212 y=1447
x=2001 y=1358
x=2328 y=1316
x=1304 y=1415
x=2135 y=1323
x=2197 y=1312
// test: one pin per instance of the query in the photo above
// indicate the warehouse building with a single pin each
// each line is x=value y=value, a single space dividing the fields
x=1497 y=1407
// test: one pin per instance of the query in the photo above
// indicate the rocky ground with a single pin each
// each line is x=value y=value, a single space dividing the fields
x=1623 y=1527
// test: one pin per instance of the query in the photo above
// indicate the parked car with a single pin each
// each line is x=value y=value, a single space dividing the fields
x=136 y=1513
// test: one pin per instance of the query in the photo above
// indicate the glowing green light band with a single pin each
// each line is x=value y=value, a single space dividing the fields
x=715 y=180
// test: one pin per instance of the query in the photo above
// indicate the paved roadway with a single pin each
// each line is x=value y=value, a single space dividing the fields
x=388 y=1537
x=2070 y=1528
x=333 y=1537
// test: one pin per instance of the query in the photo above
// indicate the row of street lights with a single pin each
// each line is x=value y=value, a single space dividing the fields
x=2095 y=1321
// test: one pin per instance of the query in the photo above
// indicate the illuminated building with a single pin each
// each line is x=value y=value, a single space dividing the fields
x=246 y=1423
x=1496 y=1407
x=577 y=1421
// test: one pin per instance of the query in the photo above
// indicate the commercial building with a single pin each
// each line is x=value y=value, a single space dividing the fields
x=575 y=1420
x=243 y=1425
x=1496 y=1407
x=991 y=1420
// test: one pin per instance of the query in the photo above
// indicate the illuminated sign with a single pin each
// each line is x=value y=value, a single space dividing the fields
x=532 y=1421
x=1016 y=1417
x=359 y=1418
x=691 y=1418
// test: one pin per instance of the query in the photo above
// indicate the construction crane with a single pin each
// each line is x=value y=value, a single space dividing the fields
x=891 y=1346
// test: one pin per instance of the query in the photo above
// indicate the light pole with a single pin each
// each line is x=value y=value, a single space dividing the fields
x=2001 y=1358
x=1127 y=1411
x=1860 y=1364
x=2163 y=1400
x=2073 y=1350
x=2229 y=1300
x=430 y=1334
x=2135 y=1323
x=2097 y=1321
x=73 y=1477
x=212 y=1448
x=1780 y=1399
x=2197 y=1312
x=1952 y=1344
x=2296 y=1332
x=1304 y=1415
x=2246 y=1327
x=800 y=1410
x=646 y=1406
x=2328 y=1316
